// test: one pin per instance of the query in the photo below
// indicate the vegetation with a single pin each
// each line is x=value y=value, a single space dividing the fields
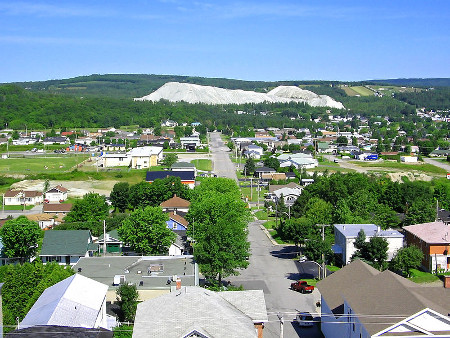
x=91 y=208
x=145 y=230
x=406 y=259
x=219 y=228
x=127 y=296
x=20 y=237
x=23 y=285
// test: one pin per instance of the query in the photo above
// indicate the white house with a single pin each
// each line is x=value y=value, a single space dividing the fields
x=408 y=159
x=76 y=301
x=190 y=140
x=56 y=194
x=113 y=160
x=290 y=193
x=346 y=234
x=22 y=197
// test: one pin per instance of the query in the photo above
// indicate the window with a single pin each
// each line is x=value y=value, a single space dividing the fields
x=174 y=226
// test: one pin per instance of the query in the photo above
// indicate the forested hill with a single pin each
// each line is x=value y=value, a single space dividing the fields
x=138 y=85
x=415 y=82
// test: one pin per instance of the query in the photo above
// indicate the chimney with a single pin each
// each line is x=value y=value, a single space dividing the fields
x=447 y=281
x=178 y=283
x=378 y=228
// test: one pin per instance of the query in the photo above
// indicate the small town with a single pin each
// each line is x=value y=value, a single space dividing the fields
x=192 y=169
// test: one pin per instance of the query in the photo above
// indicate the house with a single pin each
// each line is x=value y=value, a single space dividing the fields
x=76 y=301
x=307 y=181
x=290 y=193
x=177 y=222
x=263 y=170
x=45 y=221
x=22 y=197
x=346 y=234
x=273 y=176
x=184 y=166
x=359 y=301
x=56 y=140
x=57 y=208
x=186 y=176
x=114 y=147
x=202 y=313
x=190 y=141
x=175 y=205
x=24 y=141
x=434 y=240
x=152 y=275
x=113 y=160
x=56 y=194
x=113 y=242
x=169 y=123
x=145 y=157
x=67 y=246
x=5 y=260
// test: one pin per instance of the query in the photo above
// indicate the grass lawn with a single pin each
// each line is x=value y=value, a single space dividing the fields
x=246 y=192
x=261 y=215
x=18 y=207
x=270 y=224
x=276 y=237
x=363 y=91
x=310 y=281
x=203 y=164
x=333 y=268
x=418 y=276
x=38 y=165
x=323 y=167
x=425 y=167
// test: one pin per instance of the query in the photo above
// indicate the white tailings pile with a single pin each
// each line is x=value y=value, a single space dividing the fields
x=192 y=93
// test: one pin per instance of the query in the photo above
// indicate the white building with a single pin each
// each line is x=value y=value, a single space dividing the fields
x=346 y=234
x=22 y=197
x=408 y=159
x=145 y=157
x=56 y=194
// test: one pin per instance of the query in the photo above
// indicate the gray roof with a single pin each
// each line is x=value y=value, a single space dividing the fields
x=75 y=301
x=57 y=331
x=66 y=242
x=135 y=270
x=214 y=314
x=375 y=296
x=351 y=230
x=183 y=165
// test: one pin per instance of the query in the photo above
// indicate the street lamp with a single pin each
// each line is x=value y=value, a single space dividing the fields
x=319 y=267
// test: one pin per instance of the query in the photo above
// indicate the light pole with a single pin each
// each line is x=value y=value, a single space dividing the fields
x=319 y=267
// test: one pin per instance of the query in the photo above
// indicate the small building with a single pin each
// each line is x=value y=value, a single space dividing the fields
x=190 y=141
x=434 y=240
x=56 y=194
x=57 y=208
x=76 y=301
x=290 y=193
x=346 y=234
x=202 y=313
x=177 y=222
x=22 y=197
x=263 y=170
x=66 y=247
x=186 y=177
x=184 y=166
x=45 y=221
x=114 y=160
x=145 y=157
x=408 y=159
x=56 y=140
x=175 y=205
x=113 y=242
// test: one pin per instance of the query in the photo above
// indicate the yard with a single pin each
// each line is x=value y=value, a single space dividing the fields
x=40 y=164
x=423 y=167
x=202 y=164
x=363 y=91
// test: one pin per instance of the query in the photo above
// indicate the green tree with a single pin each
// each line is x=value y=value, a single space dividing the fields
x=421 y=211
x=272 y=162
x=170 y=159
x=230 y=145
x=218 y=226
x=319 y=211
x=406 y=259
x=359 y=244
x=127 y=296
x=91 y=208
x=315 y=247
x=120 y=195
x=342 y=141
x=145 y=230
x=217 y=184
x=249 y=167
x=20 y=237
x=385 y=217
x=299 y=230
x=375 y=251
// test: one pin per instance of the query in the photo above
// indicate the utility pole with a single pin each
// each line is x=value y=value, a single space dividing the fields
x=104 y=238
x=251 y=188
x=324 y=270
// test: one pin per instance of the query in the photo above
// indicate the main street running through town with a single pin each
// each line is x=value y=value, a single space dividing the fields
x=272 y=268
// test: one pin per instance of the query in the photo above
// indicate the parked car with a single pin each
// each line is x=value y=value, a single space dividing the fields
x=304 y=319
x=302 y=259
x=302 y=286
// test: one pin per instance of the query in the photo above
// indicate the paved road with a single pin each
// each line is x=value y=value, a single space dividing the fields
x=222 y=165
x=439 y=164
x=272 y=269
x=16 y=213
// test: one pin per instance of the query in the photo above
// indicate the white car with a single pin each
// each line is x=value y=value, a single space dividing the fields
x=304 y=319
x=302 y=259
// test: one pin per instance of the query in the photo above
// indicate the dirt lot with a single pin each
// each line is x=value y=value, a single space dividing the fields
x=76 y=188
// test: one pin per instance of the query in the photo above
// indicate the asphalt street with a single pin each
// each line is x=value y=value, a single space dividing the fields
x=272 y=268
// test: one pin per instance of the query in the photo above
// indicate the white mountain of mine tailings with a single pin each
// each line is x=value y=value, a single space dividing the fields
x=192 y=93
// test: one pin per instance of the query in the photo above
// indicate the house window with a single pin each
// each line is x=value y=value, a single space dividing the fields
x=174 y=226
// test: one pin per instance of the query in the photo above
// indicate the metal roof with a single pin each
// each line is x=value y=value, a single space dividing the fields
x=65 y=242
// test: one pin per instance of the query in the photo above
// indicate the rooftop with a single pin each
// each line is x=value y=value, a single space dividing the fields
x=433 y=232
x=175 y=202
x=370 y=230
x=65 y=242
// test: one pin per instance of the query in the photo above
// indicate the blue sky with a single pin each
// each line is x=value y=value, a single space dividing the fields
x=250 y=40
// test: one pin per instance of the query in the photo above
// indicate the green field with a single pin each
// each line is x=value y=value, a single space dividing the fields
x=426 y=168
x=203 y=164
x=39 y=165
x=363 y=91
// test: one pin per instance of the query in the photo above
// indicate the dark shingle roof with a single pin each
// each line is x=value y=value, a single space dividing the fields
x=183 y=175
x=175 y=202
x=56 y=207
x=54 y=331
x=65 y=242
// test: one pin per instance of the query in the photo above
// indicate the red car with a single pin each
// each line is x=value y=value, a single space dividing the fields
x=302 y=286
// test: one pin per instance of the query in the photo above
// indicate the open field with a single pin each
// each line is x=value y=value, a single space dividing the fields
x=425 y=167
x=202 y=164
x=349 y=91
x=40 y=165
x=363 y=91
x=394 y=89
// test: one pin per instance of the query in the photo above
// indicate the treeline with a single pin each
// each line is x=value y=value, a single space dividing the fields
x=435 y=99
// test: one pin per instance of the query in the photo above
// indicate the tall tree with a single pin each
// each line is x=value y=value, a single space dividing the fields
x=249 y=167
x=219 y=230
x=145 y=230
x=127 y=297
x=375 y=251
x=406 y=259
x=20 y=237
x=170 y=159
x=120 y=195
x=91 y=208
